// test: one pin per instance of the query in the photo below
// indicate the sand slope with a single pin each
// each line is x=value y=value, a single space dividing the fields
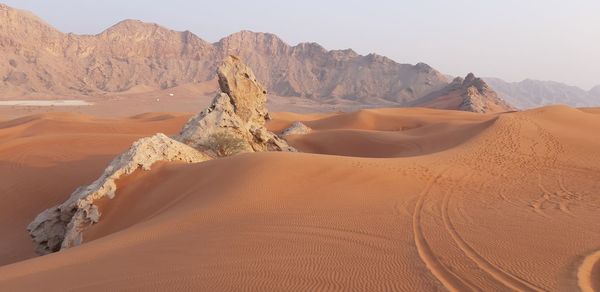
x=45 y=157
x=456 y=201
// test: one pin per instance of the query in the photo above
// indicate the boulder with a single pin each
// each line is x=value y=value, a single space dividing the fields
x=297 y=128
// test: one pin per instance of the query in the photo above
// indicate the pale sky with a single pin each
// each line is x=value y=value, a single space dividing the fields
x=509 y=39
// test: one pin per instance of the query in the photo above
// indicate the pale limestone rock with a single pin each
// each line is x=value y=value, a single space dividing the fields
x=239 y=111
x=234 y=123
x=297 y=128
x=62 y=226
x=248 y=96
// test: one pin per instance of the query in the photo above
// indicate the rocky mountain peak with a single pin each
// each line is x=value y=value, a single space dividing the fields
x=467 y=94
x=479 y=84
x=132 y=24
x=479 y=97
x=469 y=78
x=139 y=31
x=423 y=67
x=16 y=20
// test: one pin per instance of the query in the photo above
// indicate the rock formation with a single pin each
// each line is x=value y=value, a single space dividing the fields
x=296 y=128
x=61 y=226
x=35 y=58
x=234 y=123
x=469 y=94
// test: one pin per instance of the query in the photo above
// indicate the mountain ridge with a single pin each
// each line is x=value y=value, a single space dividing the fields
x=133 y=53
x=595 y=91
x=530 y=93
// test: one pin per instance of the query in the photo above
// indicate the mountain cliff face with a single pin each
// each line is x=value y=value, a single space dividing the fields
x=534 y=93
x=469 y=94
x=309 y=70
x=36 y=58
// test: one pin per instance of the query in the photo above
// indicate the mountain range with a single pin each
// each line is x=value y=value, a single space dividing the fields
x=535 y=93
x=36 y=59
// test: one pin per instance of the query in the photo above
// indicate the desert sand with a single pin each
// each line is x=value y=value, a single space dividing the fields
x=382 y=199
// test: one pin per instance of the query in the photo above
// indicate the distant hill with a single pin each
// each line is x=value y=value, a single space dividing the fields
x=469 y=94
x=534 y=93
x=595 y=91
x=36 y=58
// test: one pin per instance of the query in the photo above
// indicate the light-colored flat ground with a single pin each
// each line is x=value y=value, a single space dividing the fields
x=386 y=199
x=187 y=98
x=42 y=103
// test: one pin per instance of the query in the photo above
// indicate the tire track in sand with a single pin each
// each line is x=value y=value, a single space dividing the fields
x=449 y=280
x=505 y=278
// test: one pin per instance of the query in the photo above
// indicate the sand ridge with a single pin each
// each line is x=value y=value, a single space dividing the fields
x=488 y=202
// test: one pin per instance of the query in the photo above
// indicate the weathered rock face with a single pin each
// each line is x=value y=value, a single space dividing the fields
x=469 y=94
x=311 y=71
x=61 y=226
x=248 y=97
x=296 y=128
x=480 y=98
x=37 y=58
x=235 y=121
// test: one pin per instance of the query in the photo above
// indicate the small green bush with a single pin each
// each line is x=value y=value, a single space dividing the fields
x=226 y=143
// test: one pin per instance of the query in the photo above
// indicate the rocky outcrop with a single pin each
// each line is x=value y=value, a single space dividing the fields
x=61 y=226
x=469 y=94
x=235 y=121
x=36 y=58
x=296 y=128
x=248 y=97
x=480 y=98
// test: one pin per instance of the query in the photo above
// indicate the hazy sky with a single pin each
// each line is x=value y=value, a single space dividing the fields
x=510 y=39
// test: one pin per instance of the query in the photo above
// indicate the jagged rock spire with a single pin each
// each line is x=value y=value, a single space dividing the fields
x=235 y=120
x=248 y=96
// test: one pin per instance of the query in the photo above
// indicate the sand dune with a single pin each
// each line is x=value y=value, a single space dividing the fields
x=406 y=199
x=388 y=132
x=44 y=157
